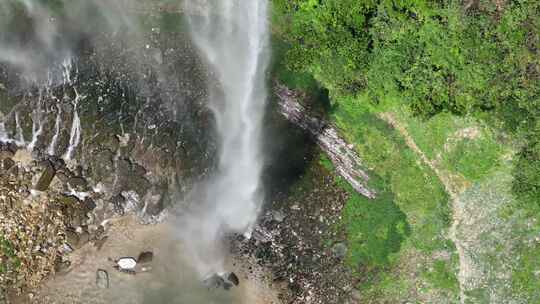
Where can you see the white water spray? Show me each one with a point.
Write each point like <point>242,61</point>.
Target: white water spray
<point>57,125</point>
<point>37,122</point>
<point>19,137</point>
<point>233,36</point>
<point>3,133</point>
<point>75,134</point>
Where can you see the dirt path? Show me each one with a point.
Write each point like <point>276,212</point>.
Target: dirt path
<point>454,186</point>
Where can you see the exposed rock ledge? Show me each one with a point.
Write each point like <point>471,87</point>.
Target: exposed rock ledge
<point>342,155</point>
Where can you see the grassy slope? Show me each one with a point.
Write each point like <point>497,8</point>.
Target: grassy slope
<point>400,244</point>
<point>423,266</point>
<point>498,264</point>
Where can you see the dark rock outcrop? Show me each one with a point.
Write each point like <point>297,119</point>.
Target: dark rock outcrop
<point>145,257</point>
<point>46,177</point>
<point>347,162</point>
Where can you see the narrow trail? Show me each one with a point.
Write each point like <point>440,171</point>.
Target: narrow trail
<point>454,186</point>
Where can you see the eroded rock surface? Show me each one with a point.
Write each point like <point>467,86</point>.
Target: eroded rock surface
<point>120,127</point>
<point>303,250</point>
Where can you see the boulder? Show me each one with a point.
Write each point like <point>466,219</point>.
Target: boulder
<point>102,279</point>
<point>7,164</point>
<point>233,279</point>
<point>72,238</point>
<point>61,266</point>
<point>340,250</point>
<point>278,216</point>
<point>78,184</point>
<point>6,154</point>
<point>214,281</point>
<point>145,257</point>
<point>46,177</point>
<point>89,204</point>
<point>118,204</point>
<point>221,280</point>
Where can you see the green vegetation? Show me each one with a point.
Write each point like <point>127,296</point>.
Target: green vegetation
<point>441,276</point>
<point>474,158</point>
<point>8,260</point>
<point>462,79</point>
<point>527,175</point>
<point>431,56</point>
<point>375,229</point>
<point>415,188</point>
<point>410,213</point>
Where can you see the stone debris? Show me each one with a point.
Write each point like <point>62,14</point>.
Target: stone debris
<point>102,279</point>
<point>145,257</point>
<point>32,227</point>
<point>294,248</point>
<point>46,177</point>
<point>221,280</point>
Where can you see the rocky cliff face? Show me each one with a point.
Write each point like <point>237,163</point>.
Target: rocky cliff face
<point>114,128</point>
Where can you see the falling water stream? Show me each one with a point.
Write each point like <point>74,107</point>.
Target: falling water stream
<point>232,35</point>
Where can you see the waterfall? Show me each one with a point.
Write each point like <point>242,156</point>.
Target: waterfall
<point>3,133</point>
<point>57,125</point>
<point>37,122</point>
<point>19,137</point>
<point>232,35</point>
<point>75,134</point>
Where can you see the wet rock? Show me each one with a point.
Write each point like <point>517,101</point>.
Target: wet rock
<point>225,281</point>
<point>78,184</point>
<point>153,203</point>
<point>145,257</point>
<point>123,140</point>
<point>278,216</point>
<point>69,200</point>
<point>233,279</point>
<point>103,164</point>
<point>340,250</point>
<point>76,240</point>
<point>72,238</point>
<point>62,266</point>
<point>139,170</point>
<point>112,143</point>
<point>89,204</point>
<point>46,177</point>
<point>6,154</point>
<point>102,279</point>
<point>7,164</point>
<point>123,167</point>
<point>214,281</point>
<point>63,177</point>
<point>131,201</point>
<point>14,170</point>
<point>139,183</point>
<point>118,204</point>
<point>57,163</point>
